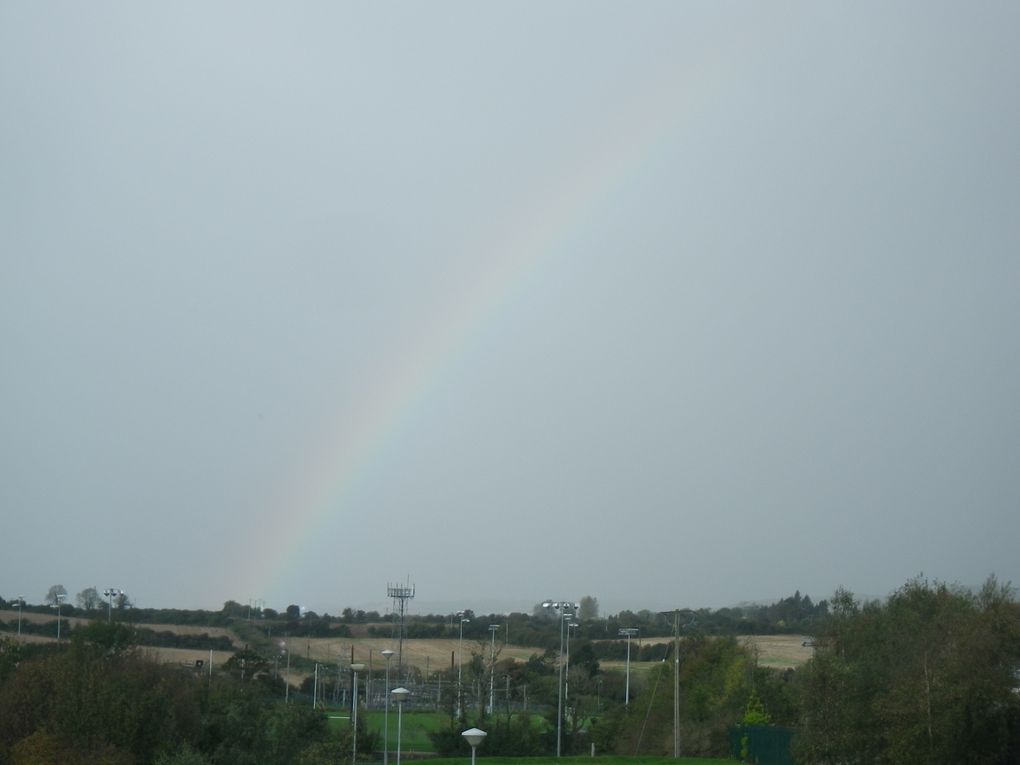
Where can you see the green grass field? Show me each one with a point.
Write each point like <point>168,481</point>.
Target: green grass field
<point>607,760</point>
<point>416,727</point>
<point>414,731</point>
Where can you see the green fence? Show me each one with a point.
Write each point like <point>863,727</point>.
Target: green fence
<point>763,744</point>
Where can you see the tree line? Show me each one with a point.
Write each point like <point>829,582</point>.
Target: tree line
<point>930,675</point>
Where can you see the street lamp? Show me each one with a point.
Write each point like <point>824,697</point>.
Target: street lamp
<point>386,716</point>
<point>315,686</point>
<point>563,609</point>
<point>20,601</point>
<point>474,737</point>
<point>492,668</point>
<point>110,592</point>
<point>355,668</point>
<point>59,597</point>
<point>286,686</point>
<point>629,632</point>
<point>400,695</point>
<point>460,664</point>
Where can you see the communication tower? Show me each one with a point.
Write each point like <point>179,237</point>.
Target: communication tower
<point>401,593</point>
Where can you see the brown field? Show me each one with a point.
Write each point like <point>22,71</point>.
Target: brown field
<point>433,654</point>
<point>77,621</point>
<point>777,651</point>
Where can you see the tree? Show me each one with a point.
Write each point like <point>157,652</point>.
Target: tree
<point>246,663</point>
<point>589,608</point>
<point>89,599</point>
<point>55,594</point>
<point>925,678</point>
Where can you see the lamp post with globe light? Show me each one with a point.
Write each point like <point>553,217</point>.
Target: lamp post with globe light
<point>460,664</point>
<point>400,696</point>
<point>474,737</point>
<point>388,654</point>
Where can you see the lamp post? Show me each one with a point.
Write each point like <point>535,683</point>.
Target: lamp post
<point>492,668</point>
<point>460,664</point>
<point>110,592</point>
<point>474,737</point>
<point>286,684</point>
<point>59,597</point>
<point>400,695</point>
<point>355,668</point>
<point>315,686</point>
<point>566,681</point>
<point>629,632</point>
<point>20,601</point>
<point>388,654</point>
<point>563,609</point>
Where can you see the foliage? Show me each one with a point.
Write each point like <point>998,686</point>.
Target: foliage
<point>588,608</point>
<point>88,599</point>
<point>96,699</point>
<point>508,736</point>
<point>183,756</point>
<point>928,677</point>
<point>715,683</point>
<point>754,712</point>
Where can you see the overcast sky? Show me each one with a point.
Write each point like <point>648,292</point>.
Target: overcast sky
<point>672,304</point>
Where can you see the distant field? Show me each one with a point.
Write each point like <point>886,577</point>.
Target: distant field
<point>778,651</point>
<point>434,654</point>
<point>775,651</point>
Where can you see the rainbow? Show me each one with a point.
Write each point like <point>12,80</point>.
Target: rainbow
<point>611,157</point>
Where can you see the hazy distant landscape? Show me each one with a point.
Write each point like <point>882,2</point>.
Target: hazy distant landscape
<point>629,378</point>
<point>733,694</point>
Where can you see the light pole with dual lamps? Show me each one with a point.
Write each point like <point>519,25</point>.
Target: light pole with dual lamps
<point>387,654</point>
<point>563,610</point>
<point>629,632</point>
<point>400,696</point>
<point>111,593</point>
